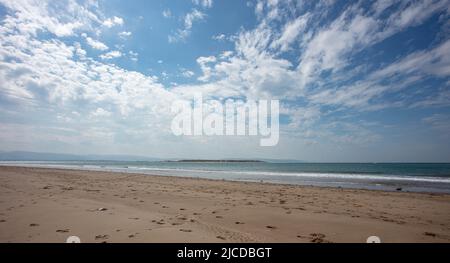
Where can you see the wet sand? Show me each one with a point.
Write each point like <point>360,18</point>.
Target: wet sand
<point>49,205</point>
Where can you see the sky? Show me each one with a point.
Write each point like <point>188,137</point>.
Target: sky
<point>357,81</point>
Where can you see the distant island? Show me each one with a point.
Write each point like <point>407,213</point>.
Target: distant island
<point>217,161</point>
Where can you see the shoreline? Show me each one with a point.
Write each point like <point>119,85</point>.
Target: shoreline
<point>211,179</point>
<point>382,186</point>
<point>49,204</point>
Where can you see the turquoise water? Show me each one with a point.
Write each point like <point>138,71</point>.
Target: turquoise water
<point>418,177</point>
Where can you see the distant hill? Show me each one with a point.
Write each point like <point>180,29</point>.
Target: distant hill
<point>38,156</point>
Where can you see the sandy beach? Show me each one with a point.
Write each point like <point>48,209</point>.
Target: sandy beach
<point>49,205</point>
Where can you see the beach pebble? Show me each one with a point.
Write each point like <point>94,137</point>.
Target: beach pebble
<point>102,209</point>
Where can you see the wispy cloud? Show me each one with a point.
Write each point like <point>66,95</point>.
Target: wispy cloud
<point>167,13</point>
<point>203,3</point>
<point>110,22</point>
<point>111,55</point>
<point>125,34</point>
<point>189,19</point>
<point>96,44</point>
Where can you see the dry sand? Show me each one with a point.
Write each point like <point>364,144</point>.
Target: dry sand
<point>48,205</point>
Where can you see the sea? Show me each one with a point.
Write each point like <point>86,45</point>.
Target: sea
<point>411,177</point>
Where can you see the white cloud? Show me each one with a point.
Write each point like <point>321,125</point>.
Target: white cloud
<point>203,62</point>
<point>441,99</point>
<point>167,13</point>
<point>133,55</point>
<point>100,112</point>
<point>433,62</point>
<point>187,73</point>
<point>189,19</point>
<point>259,8</point>
<point>52,76</point>
<point>125,34</point>
<point>113,21</point>
<point>439,122</point>
<point>61,19</point>
<point>226,54</point>
<point>96,44</point>
<point>80,52</point>
<point>203,3</point>
<point>355,30</point>
<point>259,73</point>
<point>346,35</point>
<point>302,117</point>
<point>401,74</point>
<point>219,37</point>
<point>290,33</point>
<point>414,13</point>
<point>111,55</point>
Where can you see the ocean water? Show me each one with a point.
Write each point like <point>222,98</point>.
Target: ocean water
<point>415,177</point>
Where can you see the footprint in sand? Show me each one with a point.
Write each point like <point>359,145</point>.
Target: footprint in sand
<point>220,237</point>
<point>101,237</point>
<point>62,230</point>
<point>185,230</point>
<point>271,227</point>
<point>239,223</point>
<point>430,234</point>
<point>318,238</point>
<point>132,235</point>
<point>33,224</point>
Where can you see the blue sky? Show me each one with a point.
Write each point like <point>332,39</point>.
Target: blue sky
<point>357,80</point>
